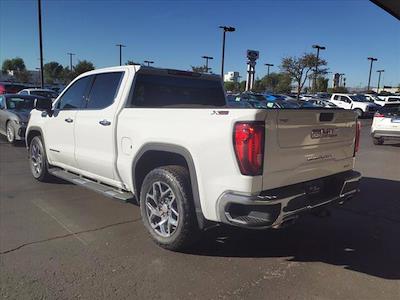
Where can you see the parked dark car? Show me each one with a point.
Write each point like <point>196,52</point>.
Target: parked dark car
<point>14,114</point>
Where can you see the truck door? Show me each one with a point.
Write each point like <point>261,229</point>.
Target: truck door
<point>95,149</point>
<point>60,126</point>
<point>346,102</point>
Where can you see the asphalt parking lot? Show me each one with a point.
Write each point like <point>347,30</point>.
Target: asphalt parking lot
<point>60,241</point>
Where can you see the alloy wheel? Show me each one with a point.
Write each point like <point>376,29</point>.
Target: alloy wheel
<point>162,209</point>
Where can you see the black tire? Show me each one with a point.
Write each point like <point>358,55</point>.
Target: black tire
<point>186,231</point>
<point>377,141</point>
<point>10,135</point>
<point>42,173</point>
<point>359,112</point>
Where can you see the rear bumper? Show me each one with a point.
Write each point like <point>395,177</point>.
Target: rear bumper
<point>389,134</point>
<point>274,208</point>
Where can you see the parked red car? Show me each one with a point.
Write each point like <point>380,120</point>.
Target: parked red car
<point>10,88</point>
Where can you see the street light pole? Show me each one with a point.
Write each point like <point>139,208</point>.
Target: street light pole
<point>120,53</point>
<point>379,79</point>
<point>40,42</point>
<point>318,47</point>
<point>207,58</point>
<point>268,65</point>
<point>372,59</point>
<point>225,29</point>
<point>148,62</point>
<point>70,60</point>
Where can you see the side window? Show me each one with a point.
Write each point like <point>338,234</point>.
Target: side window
<point>345,99</point>
<point>104,90</point>
<point>23,93</point>
<point>336,97</point>
<point>74,97</point>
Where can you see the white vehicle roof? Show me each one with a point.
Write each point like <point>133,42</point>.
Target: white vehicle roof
<point>37,89</point>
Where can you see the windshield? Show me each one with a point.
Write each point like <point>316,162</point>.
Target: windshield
<point>19,103</point>
<point>47,94</point>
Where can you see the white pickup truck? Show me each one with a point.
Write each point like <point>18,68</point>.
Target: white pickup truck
<point>168,139</point>
<point>358,103</point>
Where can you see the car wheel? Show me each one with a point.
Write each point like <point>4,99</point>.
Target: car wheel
<point>359,112</point>
<point>10,133</point>
<point>167,208</point>
<point>377,141</point>
<point>38,160</point>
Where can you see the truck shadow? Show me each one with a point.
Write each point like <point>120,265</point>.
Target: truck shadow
<point>361,236</point>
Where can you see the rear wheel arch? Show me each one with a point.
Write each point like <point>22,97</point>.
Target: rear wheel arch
<point>155,155</point>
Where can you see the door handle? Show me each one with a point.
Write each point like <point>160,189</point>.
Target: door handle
<point>105,123</point>
<point>69,120</point>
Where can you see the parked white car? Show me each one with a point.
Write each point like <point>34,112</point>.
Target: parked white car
<point>47,93</point>
<point>167,139</point>
<point>386,124</point>
<point>356,103</point>
<point>383,100</point>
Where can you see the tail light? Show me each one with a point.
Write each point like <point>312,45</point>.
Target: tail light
<point>378,115</point>
<point>2,90</point>
<point>357,140</point>
<point>248,141</point>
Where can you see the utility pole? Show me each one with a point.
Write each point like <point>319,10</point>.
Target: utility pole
<point>40,42</point>
<point>372,59</point>
<point>120,52</point>
<point>225,29</point>
<point>70,60</point>
<point>148,62</point>
<point>379,79</point>
<point>318,47</point>
<point>207,58</point>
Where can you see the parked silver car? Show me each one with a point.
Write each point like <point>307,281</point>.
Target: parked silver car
<point>14,114</point>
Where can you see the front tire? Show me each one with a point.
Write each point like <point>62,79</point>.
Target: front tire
<point>167,208</point>
<point>10,133</point>
<point>377,141</point>
<point>38,160</point>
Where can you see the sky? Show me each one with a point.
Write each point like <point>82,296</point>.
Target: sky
<point>175,34</point>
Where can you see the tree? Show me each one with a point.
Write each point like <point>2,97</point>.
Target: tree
<point>299,68</point>
<point>322,84</point>
<point>53,72</point>
<point>339,89</point>
<point>231,86</point>
<point>83,66</point>
<point>132,63</point>
<point>200,69</point>
<point>16,67</point>
<point>277,82</point>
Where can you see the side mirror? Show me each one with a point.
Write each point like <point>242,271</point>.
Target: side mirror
<point>43,104</point>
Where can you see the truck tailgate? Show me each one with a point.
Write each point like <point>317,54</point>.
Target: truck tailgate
<point>304,144</point>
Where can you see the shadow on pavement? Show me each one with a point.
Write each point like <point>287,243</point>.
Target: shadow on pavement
<point>361,236</point>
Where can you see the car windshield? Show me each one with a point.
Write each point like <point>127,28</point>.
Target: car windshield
<point>47,94</point>
<point>359,98</point>
<point>20,103</point>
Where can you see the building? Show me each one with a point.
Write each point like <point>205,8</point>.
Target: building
<point>231,77</point>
